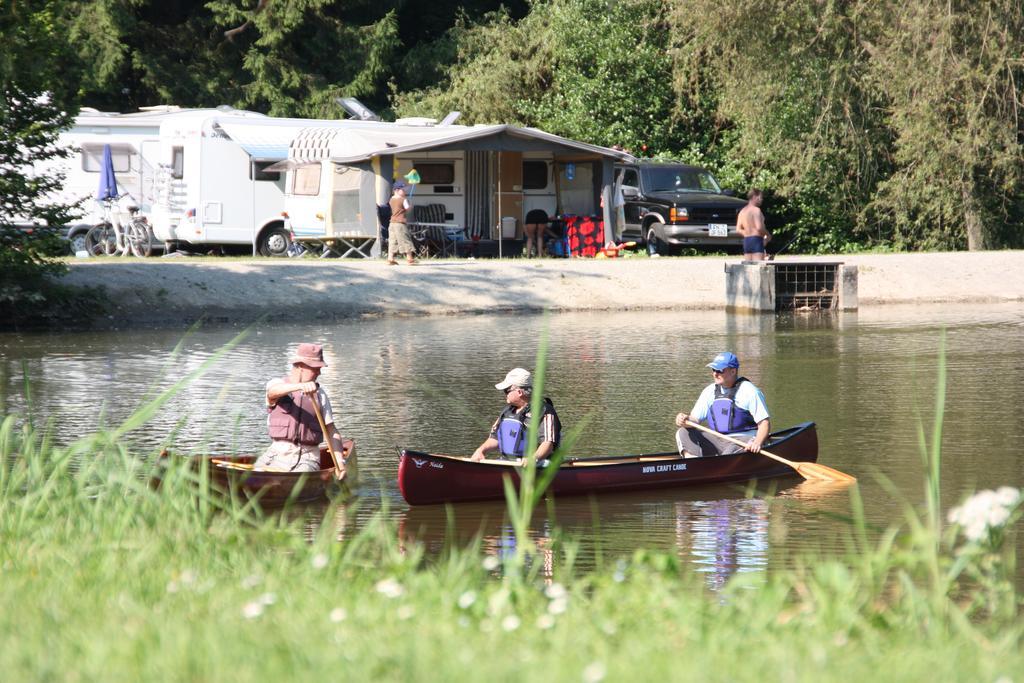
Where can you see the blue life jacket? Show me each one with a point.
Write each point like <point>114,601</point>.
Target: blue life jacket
<point>724,416</point>
<point>512,437</point>
<point>513,427</point>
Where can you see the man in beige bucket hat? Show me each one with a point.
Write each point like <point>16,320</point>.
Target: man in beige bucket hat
<point>291,418</point>
<point>509,432</point>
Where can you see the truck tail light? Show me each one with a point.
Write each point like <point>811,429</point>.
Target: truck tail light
<point>675,214</point>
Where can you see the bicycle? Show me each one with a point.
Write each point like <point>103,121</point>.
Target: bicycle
<point>114,238</point>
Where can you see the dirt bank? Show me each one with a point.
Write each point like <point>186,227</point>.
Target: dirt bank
<point>174,291</point>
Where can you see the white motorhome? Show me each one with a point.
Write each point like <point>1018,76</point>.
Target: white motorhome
<point>134,141</point>
<point>215,186</point>
<point>475,178</point>
<point>212,186</point>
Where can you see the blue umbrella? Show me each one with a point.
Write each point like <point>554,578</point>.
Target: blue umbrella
<point>108,181</point>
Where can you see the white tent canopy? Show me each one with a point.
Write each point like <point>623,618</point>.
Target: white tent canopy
<point>365,142</point>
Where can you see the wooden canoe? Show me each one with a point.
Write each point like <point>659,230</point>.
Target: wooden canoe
<point>277,488</point>
<point>426,478</point>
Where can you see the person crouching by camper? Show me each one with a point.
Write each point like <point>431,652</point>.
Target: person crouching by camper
<point>509,432</point>
<point>399,238</point>
<point>291,416</point>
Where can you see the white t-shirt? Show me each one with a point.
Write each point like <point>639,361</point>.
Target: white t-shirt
<point>748,397</point>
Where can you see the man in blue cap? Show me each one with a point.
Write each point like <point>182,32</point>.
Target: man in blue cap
<point>731,405</point>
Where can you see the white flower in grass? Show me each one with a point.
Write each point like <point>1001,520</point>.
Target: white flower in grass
<point>337,615</point>
<point>467,599</point>
<point>172,586</point>
<point>985,510</point>
<point>545,621</point>
<point>510,623</point>
<point>251,581</point>
<point>497,602</point>
<point>406,612</point>
<point>555,591</point>
<point>594,672</point>
<point>268,599</point>
<point>390,588</point>
<point>558,606</point>
<point>188,577</point>
<point>620,571</point>
<point>491,563</point>
<point>319,561</point>
<point>253,609</point>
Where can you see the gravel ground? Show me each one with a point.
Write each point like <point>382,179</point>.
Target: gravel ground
<point>174,291</point>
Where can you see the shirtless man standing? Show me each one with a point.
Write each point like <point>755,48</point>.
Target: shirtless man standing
<point>750,224</point>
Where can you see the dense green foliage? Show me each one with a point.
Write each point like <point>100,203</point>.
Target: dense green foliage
<point>34,57</point>
<point>885,125</point>
<point>280,57</point>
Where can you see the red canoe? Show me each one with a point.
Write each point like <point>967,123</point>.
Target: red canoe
<point>426,478</point>
<point>277,488</point>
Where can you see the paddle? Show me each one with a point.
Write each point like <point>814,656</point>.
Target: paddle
<point>229,465</point>
<point>339,471</point>
<point>808,470</point>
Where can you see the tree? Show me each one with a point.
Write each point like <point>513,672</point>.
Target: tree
<point>792,83</point>
<point>30,121</point>
<point>952,73</point>
<point>586,69</point>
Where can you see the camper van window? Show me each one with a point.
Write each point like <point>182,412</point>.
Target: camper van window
<point>436,173</point>
<point>92,158</point>
<point>306,179</point>
<point>178,163</point>
<point>258,172</point>
<point>535,175</point>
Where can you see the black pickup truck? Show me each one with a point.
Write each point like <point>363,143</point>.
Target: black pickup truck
<point>672,205</point>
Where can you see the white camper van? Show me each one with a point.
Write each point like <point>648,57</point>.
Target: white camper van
<point>215,183</point>
<point>212,186</point>
<point>134,141</point>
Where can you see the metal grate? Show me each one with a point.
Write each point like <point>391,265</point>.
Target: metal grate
<point>806,286</point>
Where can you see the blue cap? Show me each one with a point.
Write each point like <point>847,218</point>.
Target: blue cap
<point>399,185</point>
<point>724,360</point>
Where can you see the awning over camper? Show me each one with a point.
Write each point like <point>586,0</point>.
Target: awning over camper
<point>355,145</point>
<point>260,141</point>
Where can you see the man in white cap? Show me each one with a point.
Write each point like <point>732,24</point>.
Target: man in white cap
<point>509,432</point>
<point>731,405</point>
<point>291,417</point>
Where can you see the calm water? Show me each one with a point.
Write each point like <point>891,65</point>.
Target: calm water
<point>867,379</point>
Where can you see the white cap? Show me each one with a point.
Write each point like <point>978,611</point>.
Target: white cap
<point>516,377</point>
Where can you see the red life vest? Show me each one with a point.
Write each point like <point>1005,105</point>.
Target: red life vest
<point>292,419</point>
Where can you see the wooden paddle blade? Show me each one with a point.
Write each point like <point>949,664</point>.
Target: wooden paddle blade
<point>229,465</point>
<point>818,472</point>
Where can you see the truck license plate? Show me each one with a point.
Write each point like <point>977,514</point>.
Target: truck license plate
<point>718,230</point>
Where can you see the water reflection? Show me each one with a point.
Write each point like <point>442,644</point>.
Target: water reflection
<point>720,529</point>
<point>867,379</point>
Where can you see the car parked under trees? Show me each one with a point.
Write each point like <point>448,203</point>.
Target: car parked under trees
<point>670,206</point>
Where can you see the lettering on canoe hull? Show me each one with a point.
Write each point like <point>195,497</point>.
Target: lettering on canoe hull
<point>655,469</point>
<point>420,462</point>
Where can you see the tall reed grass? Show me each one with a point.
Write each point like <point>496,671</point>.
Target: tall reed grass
<point>103,577</point>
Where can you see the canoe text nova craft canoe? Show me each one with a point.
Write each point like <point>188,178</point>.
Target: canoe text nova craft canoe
<point>426,478</point>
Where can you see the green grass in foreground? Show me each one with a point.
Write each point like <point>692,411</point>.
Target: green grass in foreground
<point>104,578</point>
